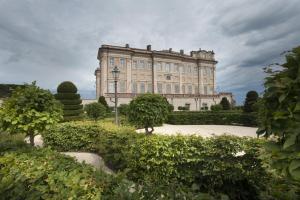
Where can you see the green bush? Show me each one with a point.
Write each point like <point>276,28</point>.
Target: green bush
<point>123,109</point>
<point>251,99</point>
<point>103,102</point>
<point>95,110</point>
<point>216,107</point>
<point>66,94</point>
<point>225,103</point>
<point>214,118</point>
<point>203,164</point>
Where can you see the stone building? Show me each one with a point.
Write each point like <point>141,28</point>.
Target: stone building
<point>185,80</point>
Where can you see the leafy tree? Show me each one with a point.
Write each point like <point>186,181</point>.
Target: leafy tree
<point>95,110</point>
<point>216,107</point>
<point>30,110</point>
<point>148,110</point>
<point>67,95</point>
<point>251,99</point>
<point>225,103</point>
<point>279,115</point>
<point>103,102</point>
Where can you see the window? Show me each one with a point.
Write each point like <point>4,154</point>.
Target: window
<point>141,64</point>
<point>205,89</point>
<point>176,67</point>
<point>211,90</point>
<point>190,88</point>
<point>111,87</point>
<point>111,61</point>
<point>189,69</point>
<point>149,88</point>
<point>177,89</point>
<point>168,77</point>
<point>183,89</point>
<point>122,62</point>
<point>196,90</point>
<point>195,70</point>
<point>204,106</point>
<point>158,64</point>
<point>159,88</point>
<point>167,67</point>
<point>148,65</point>
<point>168,89</point>
<point>172,67</point>
<point>123,86</point>
<point>134,87</point>
<point>134,66</point>
<point>204,71</point>
<point>142,88</point>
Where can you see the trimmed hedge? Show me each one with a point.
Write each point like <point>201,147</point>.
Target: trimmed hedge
<point>214,118</point>
<point>67,87</point>
<point>64,96</point>
<point>72,112</point>
<point>71,102</point>
<point>206,165</point>
<point>73,107</point>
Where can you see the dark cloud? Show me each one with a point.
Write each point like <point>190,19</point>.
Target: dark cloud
<point>53,41</point>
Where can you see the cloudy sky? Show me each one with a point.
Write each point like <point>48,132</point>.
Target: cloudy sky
<point>52,40</point>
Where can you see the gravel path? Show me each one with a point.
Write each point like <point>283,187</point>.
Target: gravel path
<point>204,130</point>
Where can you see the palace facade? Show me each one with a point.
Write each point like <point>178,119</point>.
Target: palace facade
<point>185,80</point>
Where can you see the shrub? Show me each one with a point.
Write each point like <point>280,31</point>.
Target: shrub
<point>216,107</point>
<point>214,118</point>
<point>95,110</point>
<point>251,99</point>
<point>183,108</point>
<point>148,110</point>
<point>103,102</point>
<point>160,161</point>
<point>123,109</point>
<point>225,103</point>
<point>67,95</point>
<point>30,110</point>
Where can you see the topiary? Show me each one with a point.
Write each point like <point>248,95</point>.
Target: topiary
<point>103,102</point>
<point>148,110</point>
<point>95,110</point>
<point>251,99</point>
<point>225,103</point>
<point>67,95</point>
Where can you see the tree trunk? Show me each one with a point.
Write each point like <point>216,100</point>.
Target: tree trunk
<point>31,139</point>
<point>149,132</point>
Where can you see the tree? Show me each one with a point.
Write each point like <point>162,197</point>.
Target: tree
<point>225,103</point>
<point>279,115</point>
<point>251,99</point>
<point>103,102</point>
<point>95,110</point>
<point>67,95</point>
<point>30,110</point>
<point>148,110</point>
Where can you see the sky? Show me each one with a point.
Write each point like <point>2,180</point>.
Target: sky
<point>51,41</point>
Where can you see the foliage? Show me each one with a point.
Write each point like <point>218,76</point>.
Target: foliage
<point>30,110</point>
<point>148,110</point>
<point>192,165</point>
<point>280,115</point>
<point>210,117</point>
<point>6,89</point>
<point>103,102</point>
<point>225,103</point>
<point>183,108</point>
<point>216,107</point>
<point>67,95</point>
<point>95,110</point>
<point>251,99</point>
<point>123,109</point>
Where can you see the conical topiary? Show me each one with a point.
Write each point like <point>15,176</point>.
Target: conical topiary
<point>67,95</point>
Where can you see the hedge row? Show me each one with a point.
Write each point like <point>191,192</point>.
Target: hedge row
<point>203,165</point>
<point>215,118</point>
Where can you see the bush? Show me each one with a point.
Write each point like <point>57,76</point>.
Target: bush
<point>251,99</point>
<point>103,102</point>
<point>187,162</point>
<point>214,118</point>
<point>225,103</point>
<point>95,110</point>
<point>123,109</point>
<point>216,107</point>
<point>66,94</point>
<point>183,108</point>
<point>148,110</point>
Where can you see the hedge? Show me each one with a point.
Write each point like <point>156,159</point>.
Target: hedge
<point>71,102</point>
<point>64,96</point>
<point>72,112</point>
<point>206,165</point>
<point>215,118</point>
<point>73,107</point>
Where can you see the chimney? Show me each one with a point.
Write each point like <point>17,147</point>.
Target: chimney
<point>149,47</point>
<point>181,51</point>
<point>127,45</point>
<point>170,50</point>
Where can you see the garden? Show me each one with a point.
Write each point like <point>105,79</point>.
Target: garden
<point>152,166</point>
